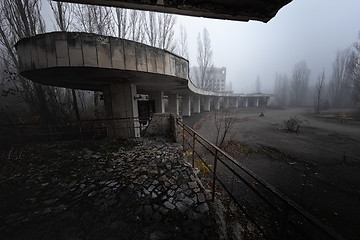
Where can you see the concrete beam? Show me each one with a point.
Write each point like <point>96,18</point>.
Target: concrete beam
<point>240,10</point>
<point>158,98</point>
<point>173,103</point>
<point>120,103</point>
<point>186,106</point>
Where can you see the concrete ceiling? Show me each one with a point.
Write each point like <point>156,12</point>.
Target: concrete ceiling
<point>239,10</point>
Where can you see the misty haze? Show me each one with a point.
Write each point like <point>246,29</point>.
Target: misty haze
<point>119,123</point>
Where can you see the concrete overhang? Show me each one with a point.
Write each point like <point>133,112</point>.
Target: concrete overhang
<point>90,62</point>
<point>239,10</point>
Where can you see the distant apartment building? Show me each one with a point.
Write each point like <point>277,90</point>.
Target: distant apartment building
<point>216,82</point>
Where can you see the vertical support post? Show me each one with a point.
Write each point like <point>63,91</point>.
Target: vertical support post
<point>193,150</point>
<point>196,102</point>
<point>173,103</point>
<point>183,128</point>
<point>214,175</point>
<point>158,98</point>
<point>206,103</point>
<point>186,107</point>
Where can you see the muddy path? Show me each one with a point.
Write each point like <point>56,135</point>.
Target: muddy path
<point>318,167</point>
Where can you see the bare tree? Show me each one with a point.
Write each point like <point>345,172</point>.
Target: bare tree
<point>166,23</point>
<point>99,20</point>
<point>183,43</point>
<point>121,17</point>
<point>94,19</point>
<point>341,79</point>
<point>356,72</point>
<point>204,59</point>
<point>319,91</point>
<point>299,84</point>
<point>63,17</point>
<point>225,120</point>
<point>281,89</point>
<point>151,28</point>
<point>136,32</point>
<point>62,14</point>
<point>20,19</point>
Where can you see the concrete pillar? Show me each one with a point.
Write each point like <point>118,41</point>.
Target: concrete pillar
<point>227,102</point>
<point>186,106</point>
<point>196,104</point>
<point>158,98</point>
<point>206,103</point>
<point>246,102</point>
<point>120,103</point>
<point>237,102</point>
<point>173,103</point>
<point>257,102</point>
<point>217,103</point>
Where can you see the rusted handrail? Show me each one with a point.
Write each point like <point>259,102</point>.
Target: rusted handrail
<point>286,205</point>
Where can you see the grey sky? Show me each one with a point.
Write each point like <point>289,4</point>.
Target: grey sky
<point>309,30</point>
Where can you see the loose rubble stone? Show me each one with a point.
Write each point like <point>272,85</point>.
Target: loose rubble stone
<point>113,189</point>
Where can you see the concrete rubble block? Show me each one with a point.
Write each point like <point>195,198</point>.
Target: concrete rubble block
<point>130,55</point>
<point>103,51</point>
<point>117,53</point>
<point>75,50</point>
<point>151,59</point>
<point>141,61</point>
<point>89,50</point>
<point>41,50</point>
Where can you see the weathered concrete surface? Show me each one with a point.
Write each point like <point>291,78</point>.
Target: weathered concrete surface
<point>240,10</point>
<point>89,61</point>
<point>139,189</point>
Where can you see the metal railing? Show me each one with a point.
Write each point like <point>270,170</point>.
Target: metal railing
<point>50,132</point>
<point>274,214</point>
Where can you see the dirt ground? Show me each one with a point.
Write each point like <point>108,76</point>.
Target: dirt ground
<point>318,167</point>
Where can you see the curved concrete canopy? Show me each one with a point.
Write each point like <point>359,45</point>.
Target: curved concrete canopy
<point>90,62</point>
<point>239,10</point>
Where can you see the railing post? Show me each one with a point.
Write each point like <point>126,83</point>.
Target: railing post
<point>214,175</point>
<point>193,149</point>
<point>183,128</point>
<point>284,222</point>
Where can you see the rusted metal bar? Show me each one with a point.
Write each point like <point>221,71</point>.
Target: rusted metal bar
<point>193,149</point>
<point>214,175</point>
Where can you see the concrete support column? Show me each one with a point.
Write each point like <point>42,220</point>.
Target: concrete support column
<point>217,103</point>
<point>206,103</point>
<point>246,102</point>
<point>158,98</point>
<point>257,102</point>
<point>173,103</point>
<point>196,104</point>
<point>120,103</point>
<point>186,106</point>
<point>237,102</point>
<point>227,102</point>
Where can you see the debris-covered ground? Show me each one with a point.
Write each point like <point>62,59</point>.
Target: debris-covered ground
<point>139,189</point>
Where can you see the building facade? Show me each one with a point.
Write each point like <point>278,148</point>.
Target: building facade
<point>216,82</point>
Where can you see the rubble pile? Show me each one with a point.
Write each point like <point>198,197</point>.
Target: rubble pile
<point>135,189</point>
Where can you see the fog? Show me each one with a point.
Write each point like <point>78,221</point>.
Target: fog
<point>304,30</point>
